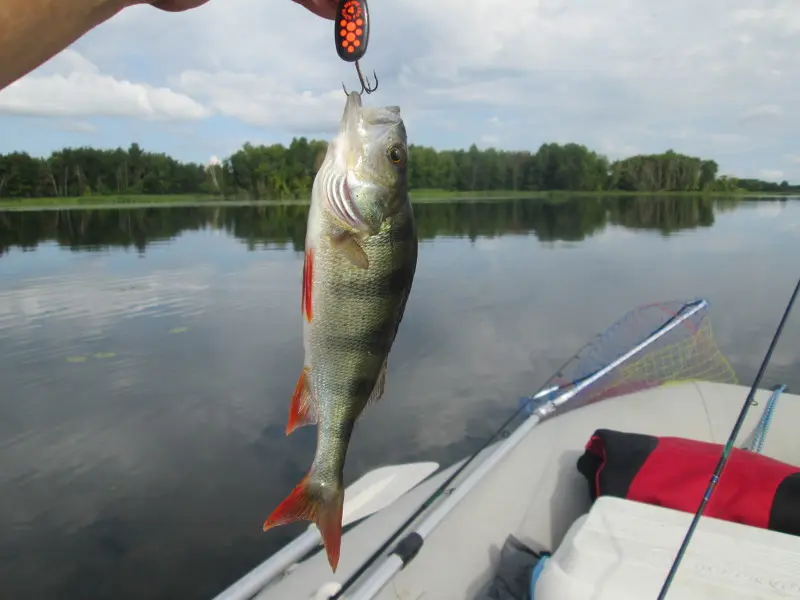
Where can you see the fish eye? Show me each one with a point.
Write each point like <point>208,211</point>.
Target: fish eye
<point>397,155</point>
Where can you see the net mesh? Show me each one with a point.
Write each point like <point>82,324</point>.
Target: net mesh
<point>686,353</point>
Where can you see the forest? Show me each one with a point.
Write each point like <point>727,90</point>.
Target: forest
<point>277,172</point>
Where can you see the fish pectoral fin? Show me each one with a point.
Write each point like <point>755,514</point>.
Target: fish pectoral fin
<point>303,409</point>
<point>347,243</point>
<point>380,384</point>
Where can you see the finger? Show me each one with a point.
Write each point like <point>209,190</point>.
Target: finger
<point>323,8</point>
<point>177,5</point>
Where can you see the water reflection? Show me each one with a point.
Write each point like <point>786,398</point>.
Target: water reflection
<point>571,219</point>
<point>147,358</point>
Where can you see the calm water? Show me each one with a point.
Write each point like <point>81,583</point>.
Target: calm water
<point>147,358</point>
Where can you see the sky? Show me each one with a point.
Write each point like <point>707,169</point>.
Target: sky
<point>715,79</point>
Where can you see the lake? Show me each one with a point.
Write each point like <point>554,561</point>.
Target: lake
<point>148,356</point>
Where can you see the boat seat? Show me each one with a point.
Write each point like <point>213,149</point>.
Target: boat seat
<point>622,550</point>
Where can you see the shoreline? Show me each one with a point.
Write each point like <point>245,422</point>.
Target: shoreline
<point>417,197</point>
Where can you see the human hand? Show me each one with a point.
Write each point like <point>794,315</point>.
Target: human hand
<point>323,8</point>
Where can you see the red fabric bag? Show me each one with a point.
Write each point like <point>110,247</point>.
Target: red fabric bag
<point>674,472</point>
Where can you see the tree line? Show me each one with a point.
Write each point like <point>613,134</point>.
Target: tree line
<point>270,225</point>
<point>277,172</point>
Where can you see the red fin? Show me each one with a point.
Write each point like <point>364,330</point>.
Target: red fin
<point>318,504</point>
<point>303,410</point>
<point>308,277</point>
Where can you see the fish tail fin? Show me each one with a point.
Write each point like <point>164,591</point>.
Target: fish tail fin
<point>310,501</point>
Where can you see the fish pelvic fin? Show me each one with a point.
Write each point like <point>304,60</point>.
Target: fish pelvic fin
<point>322,505</point>
<point>308,278</point>
<point>303,409</point>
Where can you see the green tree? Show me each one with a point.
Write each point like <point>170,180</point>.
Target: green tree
<point>276,172</point>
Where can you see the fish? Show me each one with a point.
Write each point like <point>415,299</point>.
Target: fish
<point>360,260</point>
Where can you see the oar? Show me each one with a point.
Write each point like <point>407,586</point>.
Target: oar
<point>372,492</point>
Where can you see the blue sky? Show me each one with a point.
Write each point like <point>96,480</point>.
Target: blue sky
<point>717,79</point>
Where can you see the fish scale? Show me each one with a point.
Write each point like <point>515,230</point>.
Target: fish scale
<point>359,265</point>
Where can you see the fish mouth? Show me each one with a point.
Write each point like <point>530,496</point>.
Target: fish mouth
<point>340,179</point>
<point>350,130</point>
<point>357,119</point>
<point>360,130</point>
<point>351,116</point>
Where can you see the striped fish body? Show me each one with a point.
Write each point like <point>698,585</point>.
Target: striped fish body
<point>360,260</point>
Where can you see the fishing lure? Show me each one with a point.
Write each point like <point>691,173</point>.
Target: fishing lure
<point>351,32</point>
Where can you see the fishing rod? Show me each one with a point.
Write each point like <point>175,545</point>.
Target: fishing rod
<point>712,484</point>
<point>687,311</point>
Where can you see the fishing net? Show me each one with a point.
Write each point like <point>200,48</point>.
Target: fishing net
<point>686,353</point>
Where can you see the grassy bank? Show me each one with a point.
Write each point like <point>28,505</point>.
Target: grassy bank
<point>187,200</point>
<point>426,196</point>
<point>418,196</point>
<point>114,200</point>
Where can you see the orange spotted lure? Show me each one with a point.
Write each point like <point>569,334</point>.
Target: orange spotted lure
<point>352,37</point>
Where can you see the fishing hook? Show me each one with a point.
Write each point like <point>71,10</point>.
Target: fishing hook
<point>351,33</point>
<point>365,85</point>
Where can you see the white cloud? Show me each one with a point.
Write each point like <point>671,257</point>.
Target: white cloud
<point>77,126</point>
<point>263,100</point>
<point>762,111</point>
<point>772,174</point>
<point>716,78</point>
<point>727,138</point>
<point>78,89</point>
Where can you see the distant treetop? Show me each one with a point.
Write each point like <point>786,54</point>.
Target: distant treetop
<point>276,172</point>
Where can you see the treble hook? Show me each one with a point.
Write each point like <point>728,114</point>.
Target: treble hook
<point>352,36</point>
<point>364,81</point>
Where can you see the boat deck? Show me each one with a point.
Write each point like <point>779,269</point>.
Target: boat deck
<point>536,491</point>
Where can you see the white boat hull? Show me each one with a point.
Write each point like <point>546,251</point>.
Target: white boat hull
<point>535,492</point>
